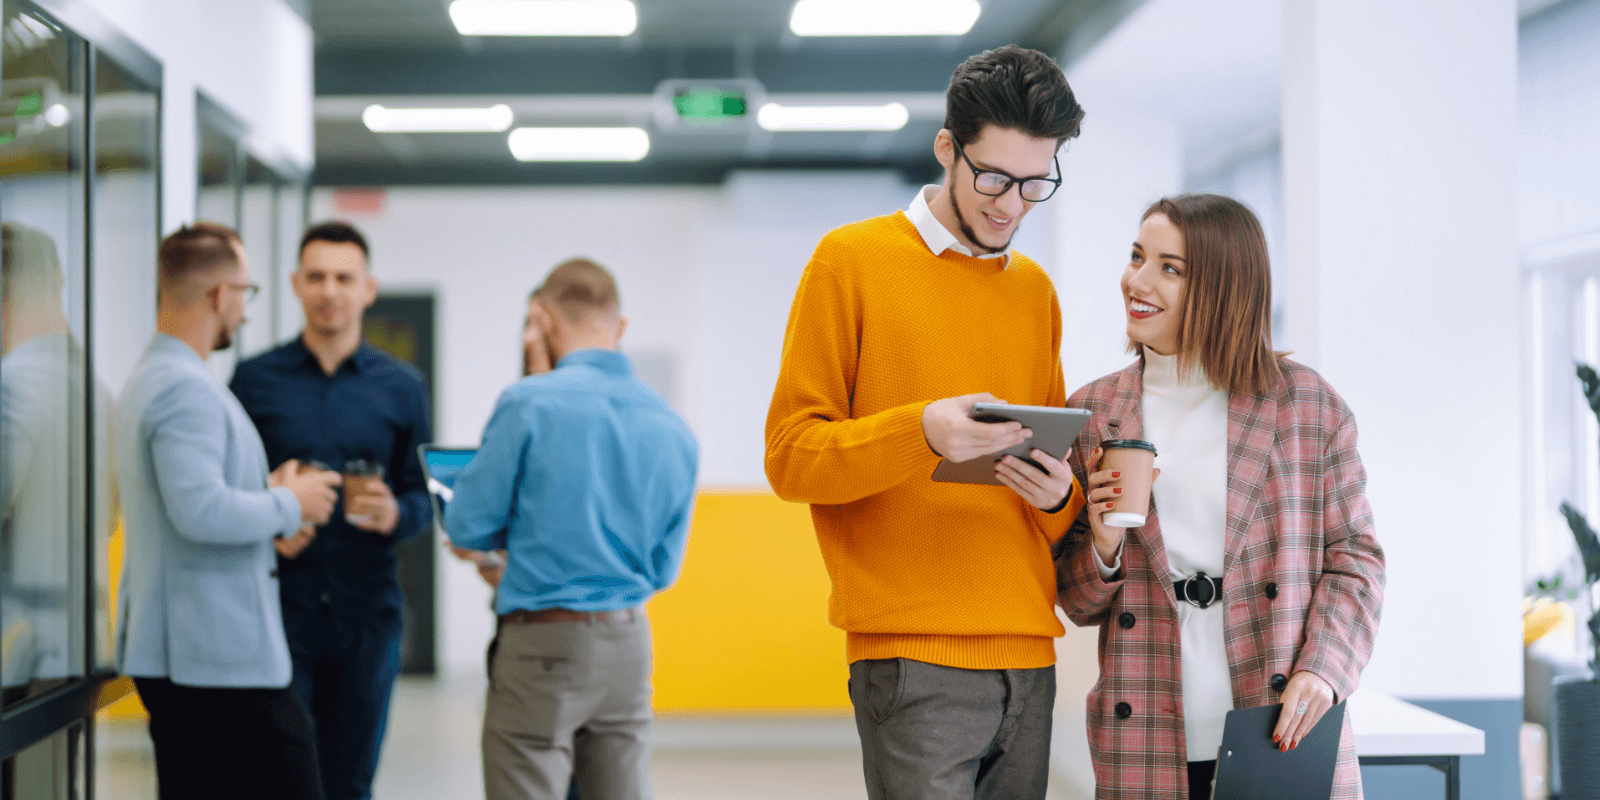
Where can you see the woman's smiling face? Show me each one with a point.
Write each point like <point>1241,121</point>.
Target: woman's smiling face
<point>1153,284</point>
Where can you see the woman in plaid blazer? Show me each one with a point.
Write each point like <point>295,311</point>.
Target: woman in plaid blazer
<point>1263,500</point>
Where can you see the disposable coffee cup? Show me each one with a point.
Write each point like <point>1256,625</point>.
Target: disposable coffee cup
<point>1136,460</point>
<point>359,477</point>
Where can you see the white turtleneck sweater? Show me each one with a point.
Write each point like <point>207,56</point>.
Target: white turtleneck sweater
<point>1187,420</point>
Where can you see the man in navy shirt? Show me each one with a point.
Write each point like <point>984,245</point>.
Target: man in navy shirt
<point>586,478</point>
<point>329,396</point>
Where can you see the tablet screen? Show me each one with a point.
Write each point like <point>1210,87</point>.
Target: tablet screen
<point>442,466</point>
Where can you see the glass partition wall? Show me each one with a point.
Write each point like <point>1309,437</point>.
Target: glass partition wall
<point>264,201</point>
<point>271,219</point>
<point>79,214</point>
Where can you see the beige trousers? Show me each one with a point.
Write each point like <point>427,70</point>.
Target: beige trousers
<point>569,700</point>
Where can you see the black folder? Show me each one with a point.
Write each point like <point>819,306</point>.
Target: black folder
<point>1251,767</point>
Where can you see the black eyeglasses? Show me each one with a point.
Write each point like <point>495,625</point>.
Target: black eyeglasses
<point>249,289</point>
<point>994,184</point>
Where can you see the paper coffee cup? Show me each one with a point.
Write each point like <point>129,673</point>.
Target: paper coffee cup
<point>358,477</point>
<point>1136,460</point>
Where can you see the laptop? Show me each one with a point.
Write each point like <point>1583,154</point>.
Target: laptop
<point>1251,767</point>
<point>439,466</point>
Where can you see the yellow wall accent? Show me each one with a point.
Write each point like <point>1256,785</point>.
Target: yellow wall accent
<point>745,630</point>
<point>125,702</point>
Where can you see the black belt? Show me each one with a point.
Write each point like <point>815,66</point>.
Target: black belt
<point>1200,591</point>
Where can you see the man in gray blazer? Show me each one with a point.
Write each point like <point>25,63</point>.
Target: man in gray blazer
<point>200,628</point>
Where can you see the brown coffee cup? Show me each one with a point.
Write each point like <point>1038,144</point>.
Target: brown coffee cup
<point>1136,460</point>
<point>359,475</point>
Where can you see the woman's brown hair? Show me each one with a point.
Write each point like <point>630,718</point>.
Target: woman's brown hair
<point>1226,323</point>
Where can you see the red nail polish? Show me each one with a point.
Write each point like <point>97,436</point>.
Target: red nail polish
<point>1111,505</point>
<point>1276,738</point>
<point>1116,474</point>
<point>1293,746</point>
<point>1116,491</point>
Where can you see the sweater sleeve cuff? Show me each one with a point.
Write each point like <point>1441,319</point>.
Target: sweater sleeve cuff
<point>910,445</point>
<point>1061,506</point>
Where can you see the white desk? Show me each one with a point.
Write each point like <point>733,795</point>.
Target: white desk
<point>1390,731</point>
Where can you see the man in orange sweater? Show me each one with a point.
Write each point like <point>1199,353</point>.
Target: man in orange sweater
<point>946,591</point>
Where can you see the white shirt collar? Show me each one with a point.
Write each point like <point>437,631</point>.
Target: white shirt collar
<point>934,234</point>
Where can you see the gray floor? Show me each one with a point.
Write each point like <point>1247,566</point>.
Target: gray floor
<point>432,752</point>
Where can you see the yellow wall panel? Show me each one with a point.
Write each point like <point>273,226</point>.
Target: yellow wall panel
<point>745,630</point>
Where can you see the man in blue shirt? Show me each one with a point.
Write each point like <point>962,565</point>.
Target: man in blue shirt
<point>329,396</point>
<point>586,478</point>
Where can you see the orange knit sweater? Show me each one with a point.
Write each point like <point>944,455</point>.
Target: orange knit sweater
<point>950,574</point>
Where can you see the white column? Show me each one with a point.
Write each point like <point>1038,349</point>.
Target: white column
<point>1402,287</point>
<point>1126,158</point>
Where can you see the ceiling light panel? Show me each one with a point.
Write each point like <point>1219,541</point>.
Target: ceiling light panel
<point>579,144</point>
<point>493,119</point>
<point>883,17</point>
<point>890,117</point>
<point>544,17</point>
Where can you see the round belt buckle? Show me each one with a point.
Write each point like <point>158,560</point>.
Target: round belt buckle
<point>1202,597</point>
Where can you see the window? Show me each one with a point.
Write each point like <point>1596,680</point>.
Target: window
<point>43,366</point>
<point>79,213</point>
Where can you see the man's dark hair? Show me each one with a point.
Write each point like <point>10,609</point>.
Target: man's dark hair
<point>1014,88</point>
<point>192,255</point>
<point>336,232</point>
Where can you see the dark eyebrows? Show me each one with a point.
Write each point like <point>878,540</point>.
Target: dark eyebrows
<point>984,168</point>
<point>1167,256</point>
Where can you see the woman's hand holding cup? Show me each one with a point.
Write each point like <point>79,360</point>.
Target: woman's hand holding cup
<point>1106,488</point>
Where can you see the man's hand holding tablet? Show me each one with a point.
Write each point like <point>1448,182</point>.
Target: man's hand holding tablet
<point>1023,448</point>
<point>953,434</point>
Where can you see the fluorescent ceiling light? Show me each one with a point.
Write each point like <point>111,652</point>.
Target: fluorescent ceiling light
<point>579,144</point>
<point>883,17</point>
<point>544,17</point>
<point>891,117</point>
<point>437,120</point>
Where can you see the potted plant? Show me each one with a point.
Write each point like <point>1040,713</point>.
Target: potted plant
<point>1577,699</point>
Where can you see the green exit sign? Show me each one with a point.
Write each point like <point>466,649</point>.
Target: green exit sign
<point>707,104</point>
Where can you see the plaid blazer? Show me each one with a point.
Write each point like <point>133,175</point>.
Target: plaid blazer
<point>1302,583</point>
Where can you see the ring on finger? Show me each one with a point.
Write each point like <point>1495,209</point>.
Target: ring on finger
<point>1301,709</point>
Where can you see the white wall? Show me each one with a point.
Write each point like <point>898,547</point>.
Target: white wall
<point>1403,291</point>
<point>251,56</point>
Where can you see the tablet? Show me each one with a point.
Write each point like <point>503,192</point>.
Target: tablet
<point>1251,767</point>
<point>1054,430</point>
<point>439,466</point>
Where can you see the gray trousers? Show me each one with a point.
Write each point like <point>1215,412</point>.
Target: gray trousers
<point>569,702</point>
<point>930,732</point>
